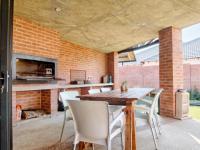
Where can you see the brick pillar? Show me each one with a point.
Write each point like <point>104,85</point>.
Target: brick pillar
<point>113,69</point>
<point>49,100</point>
<point>171,68</point>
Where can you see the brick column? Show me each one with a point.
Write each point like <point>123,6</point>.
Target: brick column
<point>171,68</point>
<point>113,69</point>
<point>49,100</point>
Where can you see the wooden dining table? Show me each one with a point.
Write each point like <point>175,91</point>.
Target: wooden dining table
<point>128,98</point>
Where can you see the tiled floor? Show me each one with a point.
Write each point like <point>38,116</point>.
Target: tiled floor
<point>43,133</point>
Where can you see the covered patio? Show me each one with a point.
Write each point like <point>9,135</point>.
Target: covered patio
<point>67,45</point>
<point>80,36</point>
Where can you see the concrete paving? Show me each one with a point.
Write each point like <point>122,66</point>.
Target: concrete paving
<point>43,134</point>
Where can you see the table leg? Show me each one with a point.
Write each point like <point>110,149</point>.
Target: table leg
<point>81,145</point>
<point>130,130</point>
<point>84,145</point>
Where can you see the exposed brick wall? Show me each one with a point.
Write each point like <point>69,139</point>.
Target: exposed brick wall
<point>76,57</point>
<point>49,100</point>
<point>193,79</point>
<point>33,39</point>
<point>45,100</point>
<point>113,69</point>
<point>139,76</point>
<point>170,68</point>
<point>187,76</point>
<point>29,99</point>
<point>148,76</point>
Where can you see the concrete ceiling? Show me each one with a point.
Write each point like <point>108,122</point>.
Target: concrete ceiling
<point>110,25</point>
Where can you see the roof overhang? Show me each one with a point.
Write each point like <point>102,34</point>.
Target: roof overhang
<point>127,57</point>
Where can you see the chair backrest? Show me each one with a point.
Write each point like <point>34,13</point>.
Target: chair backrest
<point>105,89</point>
<point>155,101</point>
<point>94,91</point>
<point>68,95</point>
<point>91,118</point>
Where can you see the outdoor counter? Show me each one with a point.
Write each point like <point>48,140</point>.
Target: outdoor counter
<point>33,87</point>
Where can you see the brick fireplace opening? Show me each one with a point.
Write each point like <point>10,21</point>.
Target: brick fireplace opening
<point>27,68</point>
<point>30,104</point>
<point>29,99</point>
<point>44,100</point>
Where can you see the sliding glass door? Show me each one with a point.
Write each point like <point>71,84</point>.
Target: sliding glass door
<point>6,19</point>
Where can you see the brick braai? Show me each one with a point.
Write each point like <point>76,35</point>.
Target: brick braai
<point>33,39</point>
<point>171,68</point>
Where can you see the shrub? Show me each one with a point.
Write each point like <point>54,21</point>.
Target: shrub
<point>194,94</point>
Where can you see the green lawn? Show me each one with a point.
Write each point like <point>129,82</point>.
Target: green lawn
<point>195,112</point>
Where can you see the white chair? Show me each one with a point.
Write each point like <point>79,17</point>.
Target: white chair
<point>94,91</point>
<point>105,89</point>
<point>147,100</point>
<point>64,97</point>
<point>92,123</point>
<point>147,111</point>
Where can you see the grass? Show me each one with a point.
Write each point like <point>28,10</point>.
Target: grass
<point>195,112</point>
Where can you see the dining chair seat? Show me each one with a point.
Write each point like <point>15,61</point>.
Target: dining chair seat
<point>140,115</point>
<point>147,100</point>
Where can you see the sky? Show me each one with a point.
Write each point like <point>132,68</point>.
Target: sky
<point>188,34</point>
<point>191,33</point>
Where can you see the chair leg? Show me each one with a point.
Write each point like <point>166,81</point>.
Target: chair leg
<point>63,127</point>
<point>74,148</point>
<point>154,139</point>
<point>108,144</point>
<point>154,126</point>
<point>113,116</point>
<point>122,140</point>
<point>122,133</point>
<point>157,122</point>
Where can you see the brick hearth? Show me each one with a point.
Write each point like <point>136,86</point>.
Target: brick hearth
<point>43,99</point>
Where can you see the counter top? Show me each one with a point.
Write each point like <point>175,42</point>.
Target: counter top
<point>32,87</point>
<point>85,85</point>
